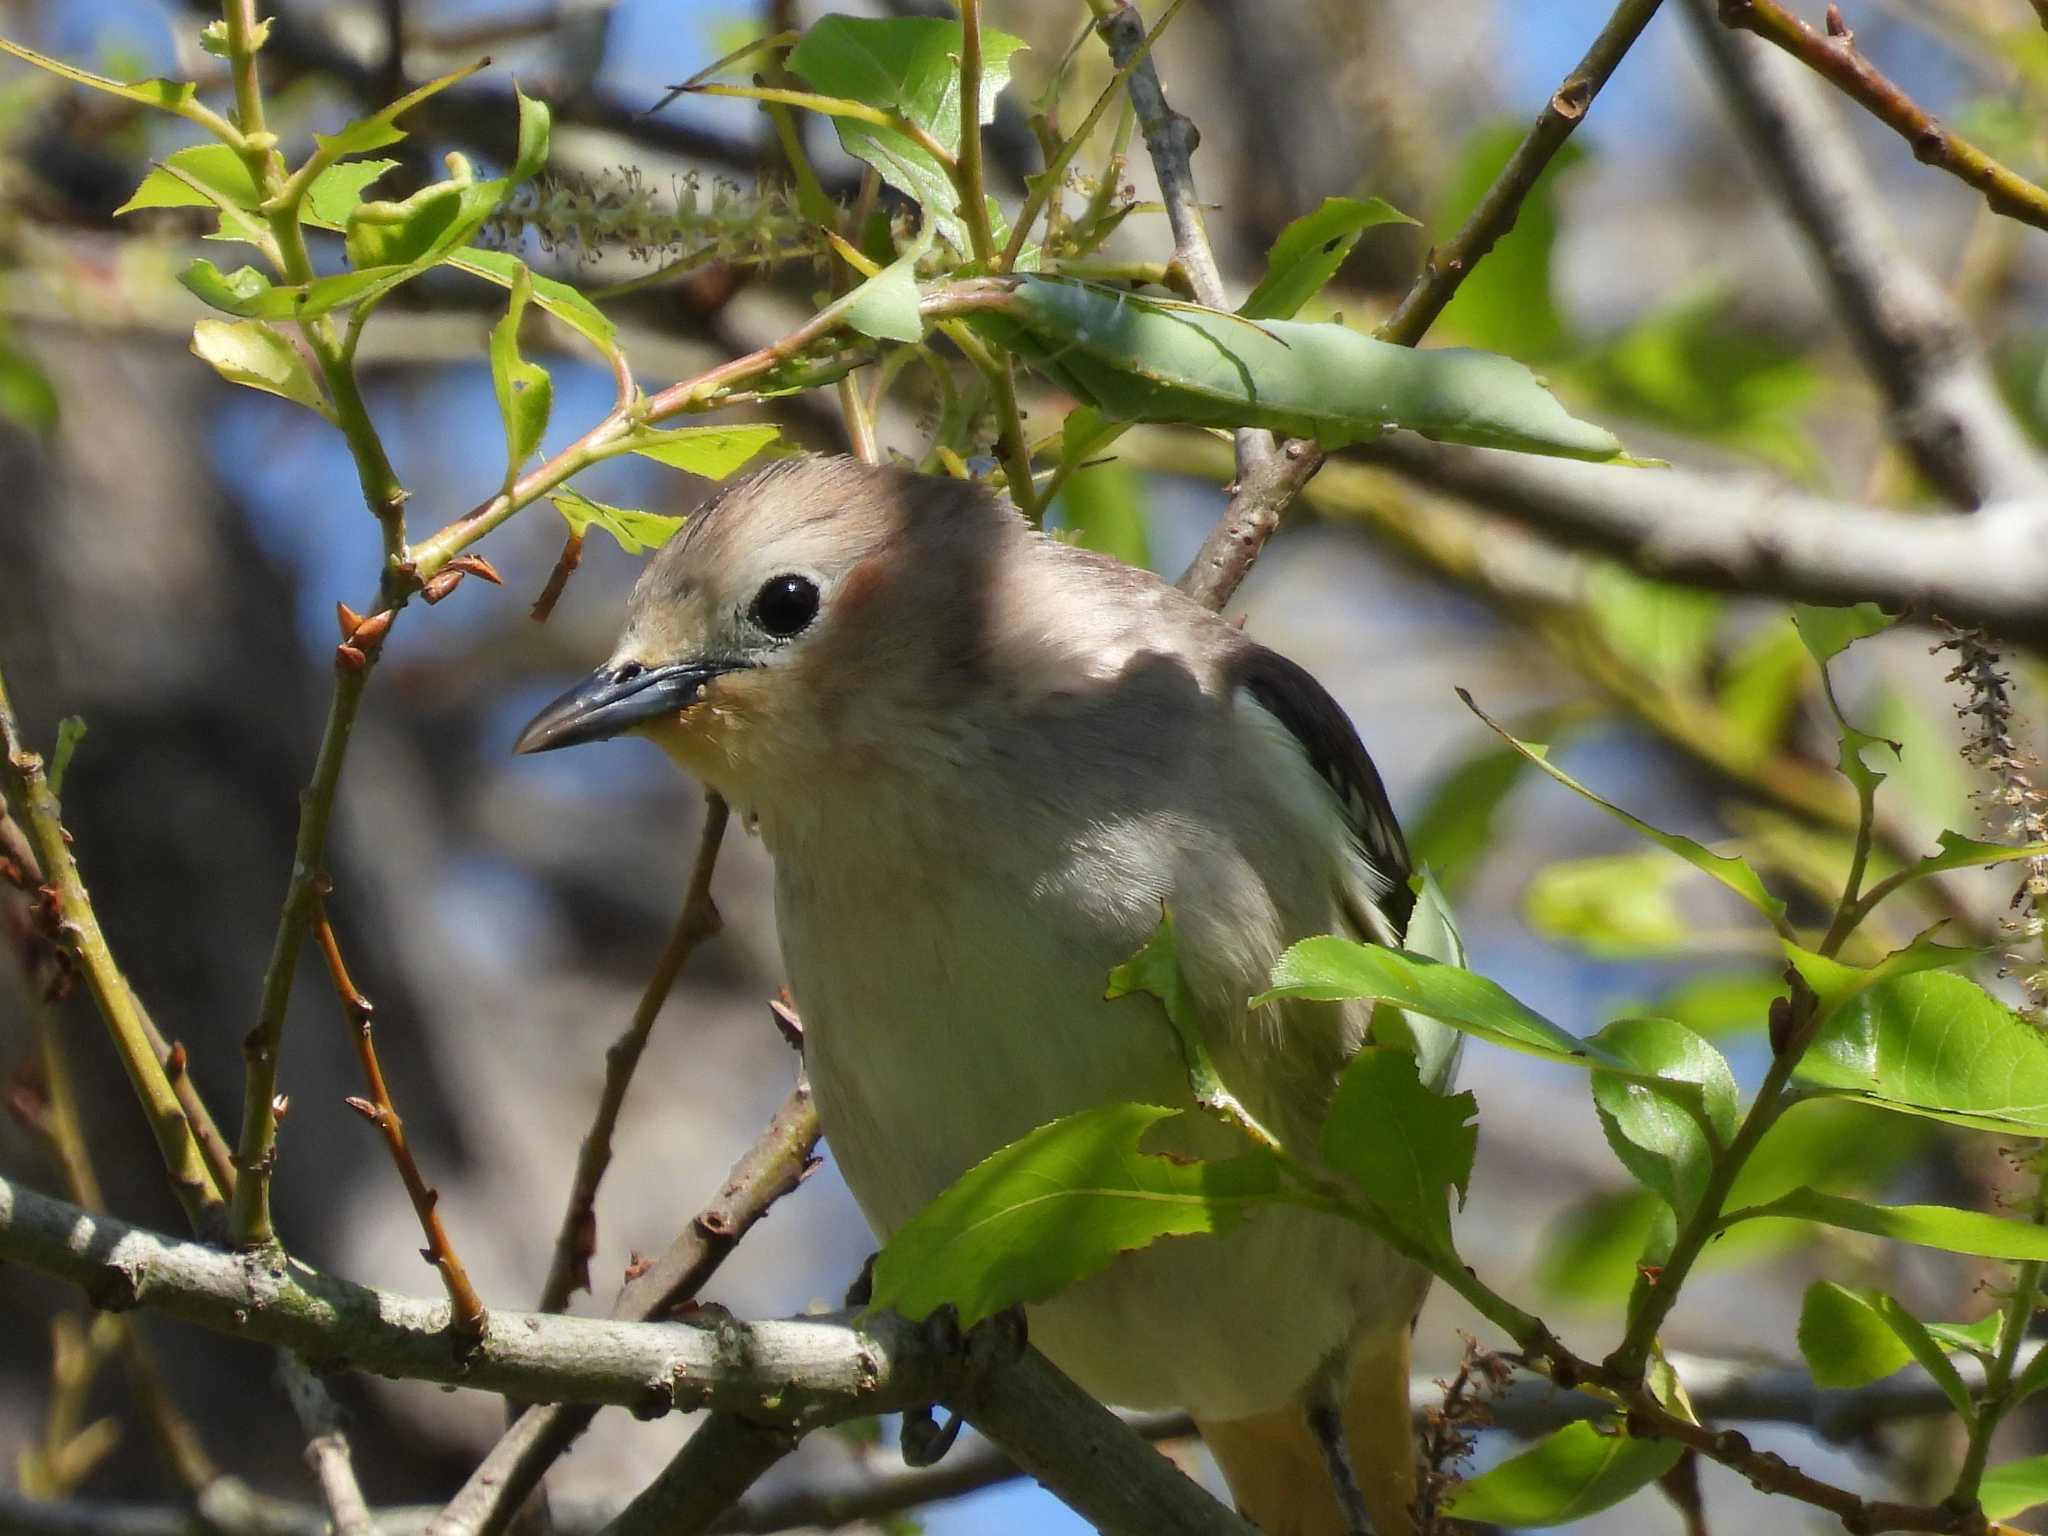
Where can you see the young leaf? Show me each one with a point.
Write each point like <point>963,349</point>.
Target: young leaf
<point>1058,1206</point>
<point>1926,1226</point>
<point>637,532</point>
<point>1575,1472</point>
<point>1406,1145</point>
<point>1309,252</point>
<point>1937,1044</point>
<point>1828,632</point>
<point>885,306</point>
<point>1155,969</point>
<point>1507,303</point>
<point>1141,359</point>
<point>525,392</point>
<point>214,167</point>
<point>1933,1359</point>
<point>1667,1123</point>
<point>2014,1487</point>
<point>174,96</point>
<point>335,191</point>
<point>1843,1339</point>
<point>565,303</point>
<point>70,732</point>
<point>1836,983</point>
<point>381,128</point>
<point>1331,969</point>
<point>909,65</point>
<point>1979,1338</point>
<point>261,356</point>
<point>1615,904</point>
<point>1730,871</point>
<point>713,452</point>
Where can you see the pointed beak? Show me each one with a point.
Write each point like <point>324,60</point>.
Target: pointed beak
<point>615,699</point>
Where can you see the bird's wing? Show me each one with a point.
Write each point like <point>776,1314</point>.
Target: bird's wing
<point>1329,741</point>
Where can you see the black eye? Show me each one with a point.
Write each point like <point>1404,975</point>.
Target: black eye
<point>785,605</point>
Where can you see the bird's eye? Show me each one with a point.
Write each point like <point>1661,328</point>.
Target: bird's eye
<point>785,605</point>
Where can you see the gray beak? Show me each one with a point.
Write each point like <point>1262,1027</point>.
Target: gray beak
<point>613,700</point>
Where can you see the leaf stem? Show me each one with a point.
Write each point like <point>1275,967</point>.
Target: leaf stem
<point>1998,1398</point>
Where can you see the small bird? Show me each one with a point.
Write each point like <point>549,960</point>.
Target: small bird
<point>982,760</point>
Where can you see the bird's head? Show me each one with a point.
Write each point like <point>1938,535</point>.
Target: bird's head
<point>787,622</point>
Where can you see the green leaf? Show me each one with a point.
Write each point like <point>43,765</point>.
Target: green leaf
<point>1835,984</point>
<point>1731,872</point>
<point>885,306</point>
<point>1664,631</point>
<point>27,396</point>
<point>1507,302</point>
<point>335,191</point>
<point>1456,822</point>
<point>1827,632</point>
<point>380,129</point>
<point>1933,1359</point>
<point>908,65</point>
<point>713,452</point>
<point>167,95</point>
<point>70,731</point>
<point>1978,1338</point>
<point>1960,852</point>
<point>261,356</point>
<point>1155,969</point>
<point>637,532</point>
<point>1926,1226</point>
<point>525,392</point>
<point>1142,359</point>
<point>1937,1044</point>
<point>1406,1145</point>
<point>1103,507</point>
<point>565,303</point>
<point>1614,904</point>
<point>2014,1487</point>
<point>1844,1340</point>
<point>1659,1121</point>
<point>1575,1472</point>
<point>1309,252</point>
<point>1331,969</point>
<point>1058,1206</point>
<point>2030,1380</point>
<point>215,167</point>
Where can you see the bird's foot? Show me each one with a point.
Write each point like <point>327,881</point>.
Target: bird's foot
<point>994,1342</point>
<point>924,1441</point>
<point>862,1291</point>
<point>1326,1423</point>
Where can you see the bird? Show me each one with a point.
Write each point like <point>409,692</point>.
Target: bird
<point>983,760</point>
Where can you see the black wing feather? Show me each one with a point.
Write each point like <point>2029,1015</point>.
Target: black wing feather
<point>1291,695</point>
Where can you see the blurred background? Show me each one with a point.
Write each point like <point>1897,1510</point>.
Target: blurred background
<point>171,551</point>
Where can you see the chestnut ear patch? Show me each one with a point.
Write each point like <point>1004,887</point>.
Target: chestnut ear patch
<point>859,585</point>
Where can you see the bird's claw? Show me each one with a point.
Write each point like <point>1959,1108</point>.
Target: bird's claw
<point>923,1440</point>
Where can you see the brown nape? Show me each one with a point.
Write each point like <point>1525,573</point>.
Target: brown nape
<point>1277,1473</point>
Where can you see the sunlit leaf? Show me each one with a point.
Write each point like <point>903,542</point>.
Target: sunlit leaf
<point>1844,1340</point>
<point>909,65</point>
<point>259,355</point>
<point>1141,359</point>
<point>215,167</point>
<point>636,532</point>
<point>1658,1121</point>
<point>381,127</point>
<point>713,452</point>
<point>2014,1487</point>
<point>1309,252</point>
<point>524,391</point>
<point>174,96</point>
<point>1572,1473</point>
<point>885,305</point>
<point>1507,303</point>
<point>1926,1226</point>
<point>1057,1206</point>
<point>1611,904</point>
<point>1827,632</point>
<point>565,303</point>
<point>1935,1043</point>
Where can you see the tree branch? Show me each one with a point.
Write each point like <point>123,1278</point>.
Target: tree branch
<point>1449,264</point>
<point>1836,60</point>
<point>1944,408</point>
<point>1989,570</point>
<point>777,1162</point>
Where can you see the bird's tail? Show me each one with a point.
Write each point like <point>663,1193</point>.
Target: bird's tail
<point>1277,1471</point>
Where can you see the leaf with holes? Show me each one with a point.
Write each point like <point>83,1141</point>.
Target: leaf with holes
<point>1407,1146</point>
<point>525,392</point>
<point>260,356</point>
<point>637,532</point>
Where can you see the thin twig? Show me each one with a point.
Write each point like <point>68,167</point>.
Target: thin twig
<point>724,1458</point>
<point>778,1161</point>
<point>22,777</point>
<point>466,1309</point>
<point>1835,58</point>
<point>576,1239</point>
<point>1945,408</point>
<point>328,1456</point>
<point>1449,264</point>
